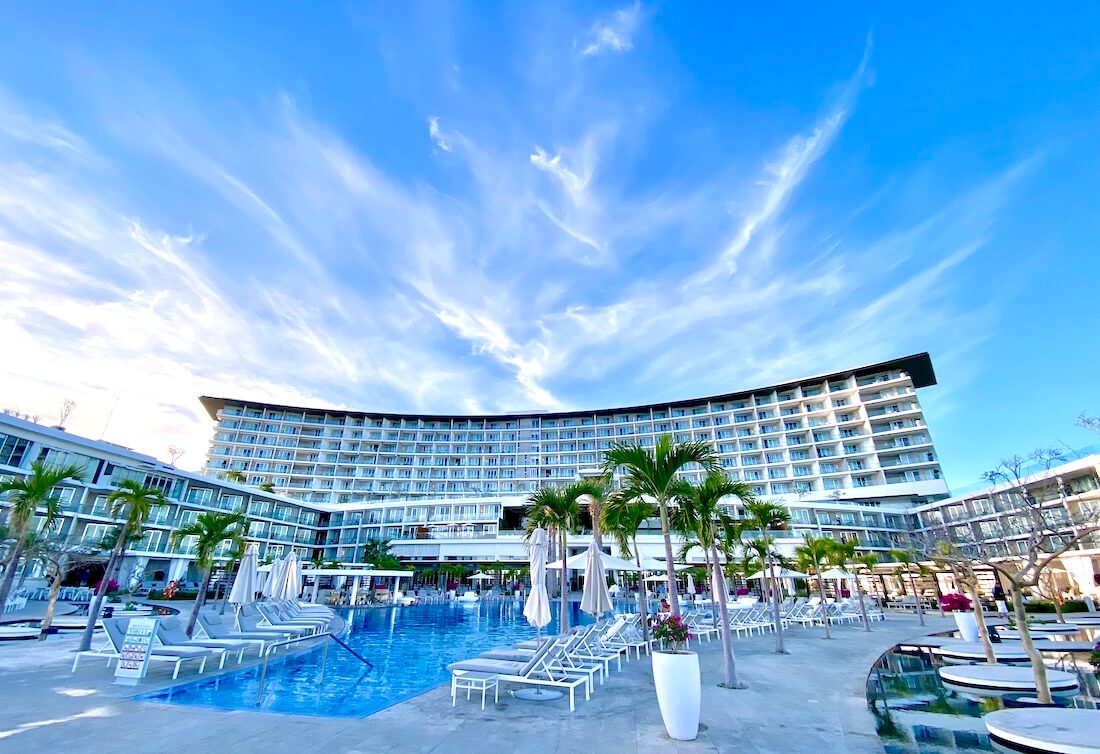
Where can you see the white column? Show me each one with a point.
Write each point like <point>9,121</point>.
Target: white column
<point>316,586</point>
<point>354,590</point>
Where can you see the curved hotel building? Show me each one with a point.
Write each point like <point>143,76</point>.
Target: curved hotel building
<point>848,452</point>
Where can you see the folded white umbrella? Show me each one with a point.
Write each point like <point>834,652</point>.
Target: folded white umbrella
<point>690,584</point>
<point>291,577</point>
<point>595,599</point>
<point>245,585</point>
<point>274,579</point>
<point>537,607</point>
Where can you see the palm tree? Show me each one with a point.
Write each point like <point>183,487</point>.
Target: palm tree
<point>867,562</point>
<point>594,493</point>
<point>131,502</point>
<point>266,486</point>
<point>622,517</point>
<point>26,495</point>
<point>209,531</point>
<point>652,473</point>
<point>815,552</point>
<point>765,517</point>
<point>699,510</point>
<point>843,554</point>
<point>906,562</point>
<point>557,511</point>
<point>234,475</point>
<point>377,553</point>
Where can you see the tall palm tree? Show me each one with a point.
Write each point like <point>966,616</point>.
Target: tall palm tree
<point>815,553</point>
<point>622,517</point>
<point>25,496</point>
<point>699,510</point>
<point>209,531</point>
<point>594,493</point>
<point>557,511</point>
<point>651,473</point>
<point>131,503</point>
<point>906,563</point>
<point>236,555</point>
<point>841,556</point>
<point>766,517</point>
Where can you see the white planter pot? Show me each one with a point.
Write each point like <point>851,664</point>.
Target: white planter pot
<point>968,626</point>
<point>676,676</point>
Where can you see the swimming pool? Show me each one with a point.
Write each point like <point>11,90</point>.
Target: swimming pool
<point>409,647</point>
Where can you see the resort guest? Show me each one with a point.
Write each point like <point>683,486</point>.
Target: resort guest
<point>665,607</point>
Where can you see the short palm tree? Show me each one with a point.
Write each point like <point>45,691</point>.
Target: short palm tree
<point>907,564</point>
<point>236,476</point>
<point>131,503</point>
<point>266,486</point>
<point>651,473</point>
<point>209,531</point>
<point>699,511</point>
<point>557,511</point>
<point>766,517</point>
<point>842,556</point>
<point>26,496</point>
<point>814,552</point>
<point>622,517</point>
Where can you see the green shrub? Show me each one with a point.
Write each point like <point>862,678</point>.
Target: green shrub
<point>1045,606</point>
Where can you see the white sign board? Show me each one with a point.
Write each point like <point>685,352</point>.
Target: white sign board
<point>133,659</point>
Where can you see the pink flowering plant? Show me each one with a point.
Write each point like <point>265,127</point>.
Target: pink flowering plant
<point>952,603</point>
<point>672,630</point>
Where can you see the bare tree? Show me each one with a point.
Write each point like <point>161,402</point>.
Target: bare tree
<point>174,453</point>
<point>1084,421</point>
<point>1041,514</point>
<point>947,555</point>
<point>67,407</point>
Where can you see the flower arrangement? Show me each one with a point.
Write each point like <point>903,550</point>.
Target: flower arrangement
<point>1094,657</point>
<point>672,630</point>
<point>954,603</point>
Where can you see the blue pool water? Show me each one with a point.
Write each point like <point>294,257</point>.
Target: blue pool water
<point>409,647</point>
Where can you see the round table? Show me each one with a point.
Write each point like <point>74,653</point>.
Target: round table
<point>973,651</point>
<point>1045,729</point>
<point>1003,680</point>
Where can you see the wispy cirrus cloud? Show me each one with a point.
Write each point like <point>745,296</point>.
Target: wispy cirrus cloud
<point>614,33</point>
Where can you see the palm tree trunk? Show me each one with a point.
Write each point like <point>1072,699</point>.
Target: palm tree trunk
<point>9,572</point>
<point>55,589</point>
<point>710,576</point>
<point>777,617</point>
<point>563,621</point>
<point>729,662</point>
<point>643,598</point>
<point>916,595</point>
<point>670,568</point>
<point>1038,669</point>
<point>824,604</point>
<point>97,601</point>
<point>862,605</point>
<point>200,598</point>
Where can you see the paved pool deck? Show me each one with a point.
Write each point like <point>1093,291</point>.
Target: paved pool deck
<point>810,700</point>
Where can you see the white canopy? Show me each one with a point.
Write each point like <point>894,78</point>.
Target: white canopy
<point>652,564</point>
<point>482,577</point>
<point>595,599</point>
<point>838,574</point>
<point>245,585</point>
<point>537,608</point>
<point>780,573</point>
<point>579,561</point>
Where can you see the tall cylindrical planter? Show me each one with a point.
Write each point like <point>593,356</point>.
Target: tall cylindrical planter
<point>676,676</point>
<point>968,625</point>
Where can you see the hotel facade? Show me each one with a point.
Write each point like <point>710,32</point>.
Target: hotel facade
<point>848,453</point>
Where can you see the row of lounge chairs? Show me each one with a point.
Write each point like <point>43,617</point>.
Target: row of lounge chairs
<point>568,661</point>
<point>262,627</point>
<point>748,617</point>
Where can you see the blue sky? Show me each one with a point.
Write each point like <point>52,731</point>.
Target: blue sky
<point>483,207</point>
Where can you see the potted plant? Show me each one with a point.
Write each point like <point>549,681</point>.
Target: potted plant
<point>676,677</point>
<point>959,605</point>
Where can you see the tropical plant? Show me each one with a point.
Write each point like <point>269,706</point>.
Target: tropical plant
<point>907,563</point>
<point>651,473</point>
<point>622,517</point>
<point>377,553</point>
<point>815,553</point>
<point>266,486</point>
<point>236,476</point>
<point>594,493</point>
<point>27,495</point>
<point>209,531</point>
<point>841,556</point>
<point>131,502</point>
<point>699,511</point>
<point>236,555</point>
<point>558,512</point>
<point>765,517</point>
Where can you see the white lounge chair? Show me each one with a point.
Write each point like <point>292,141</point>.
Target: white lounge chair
<point>115,632</point>
<point>537,671</point>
